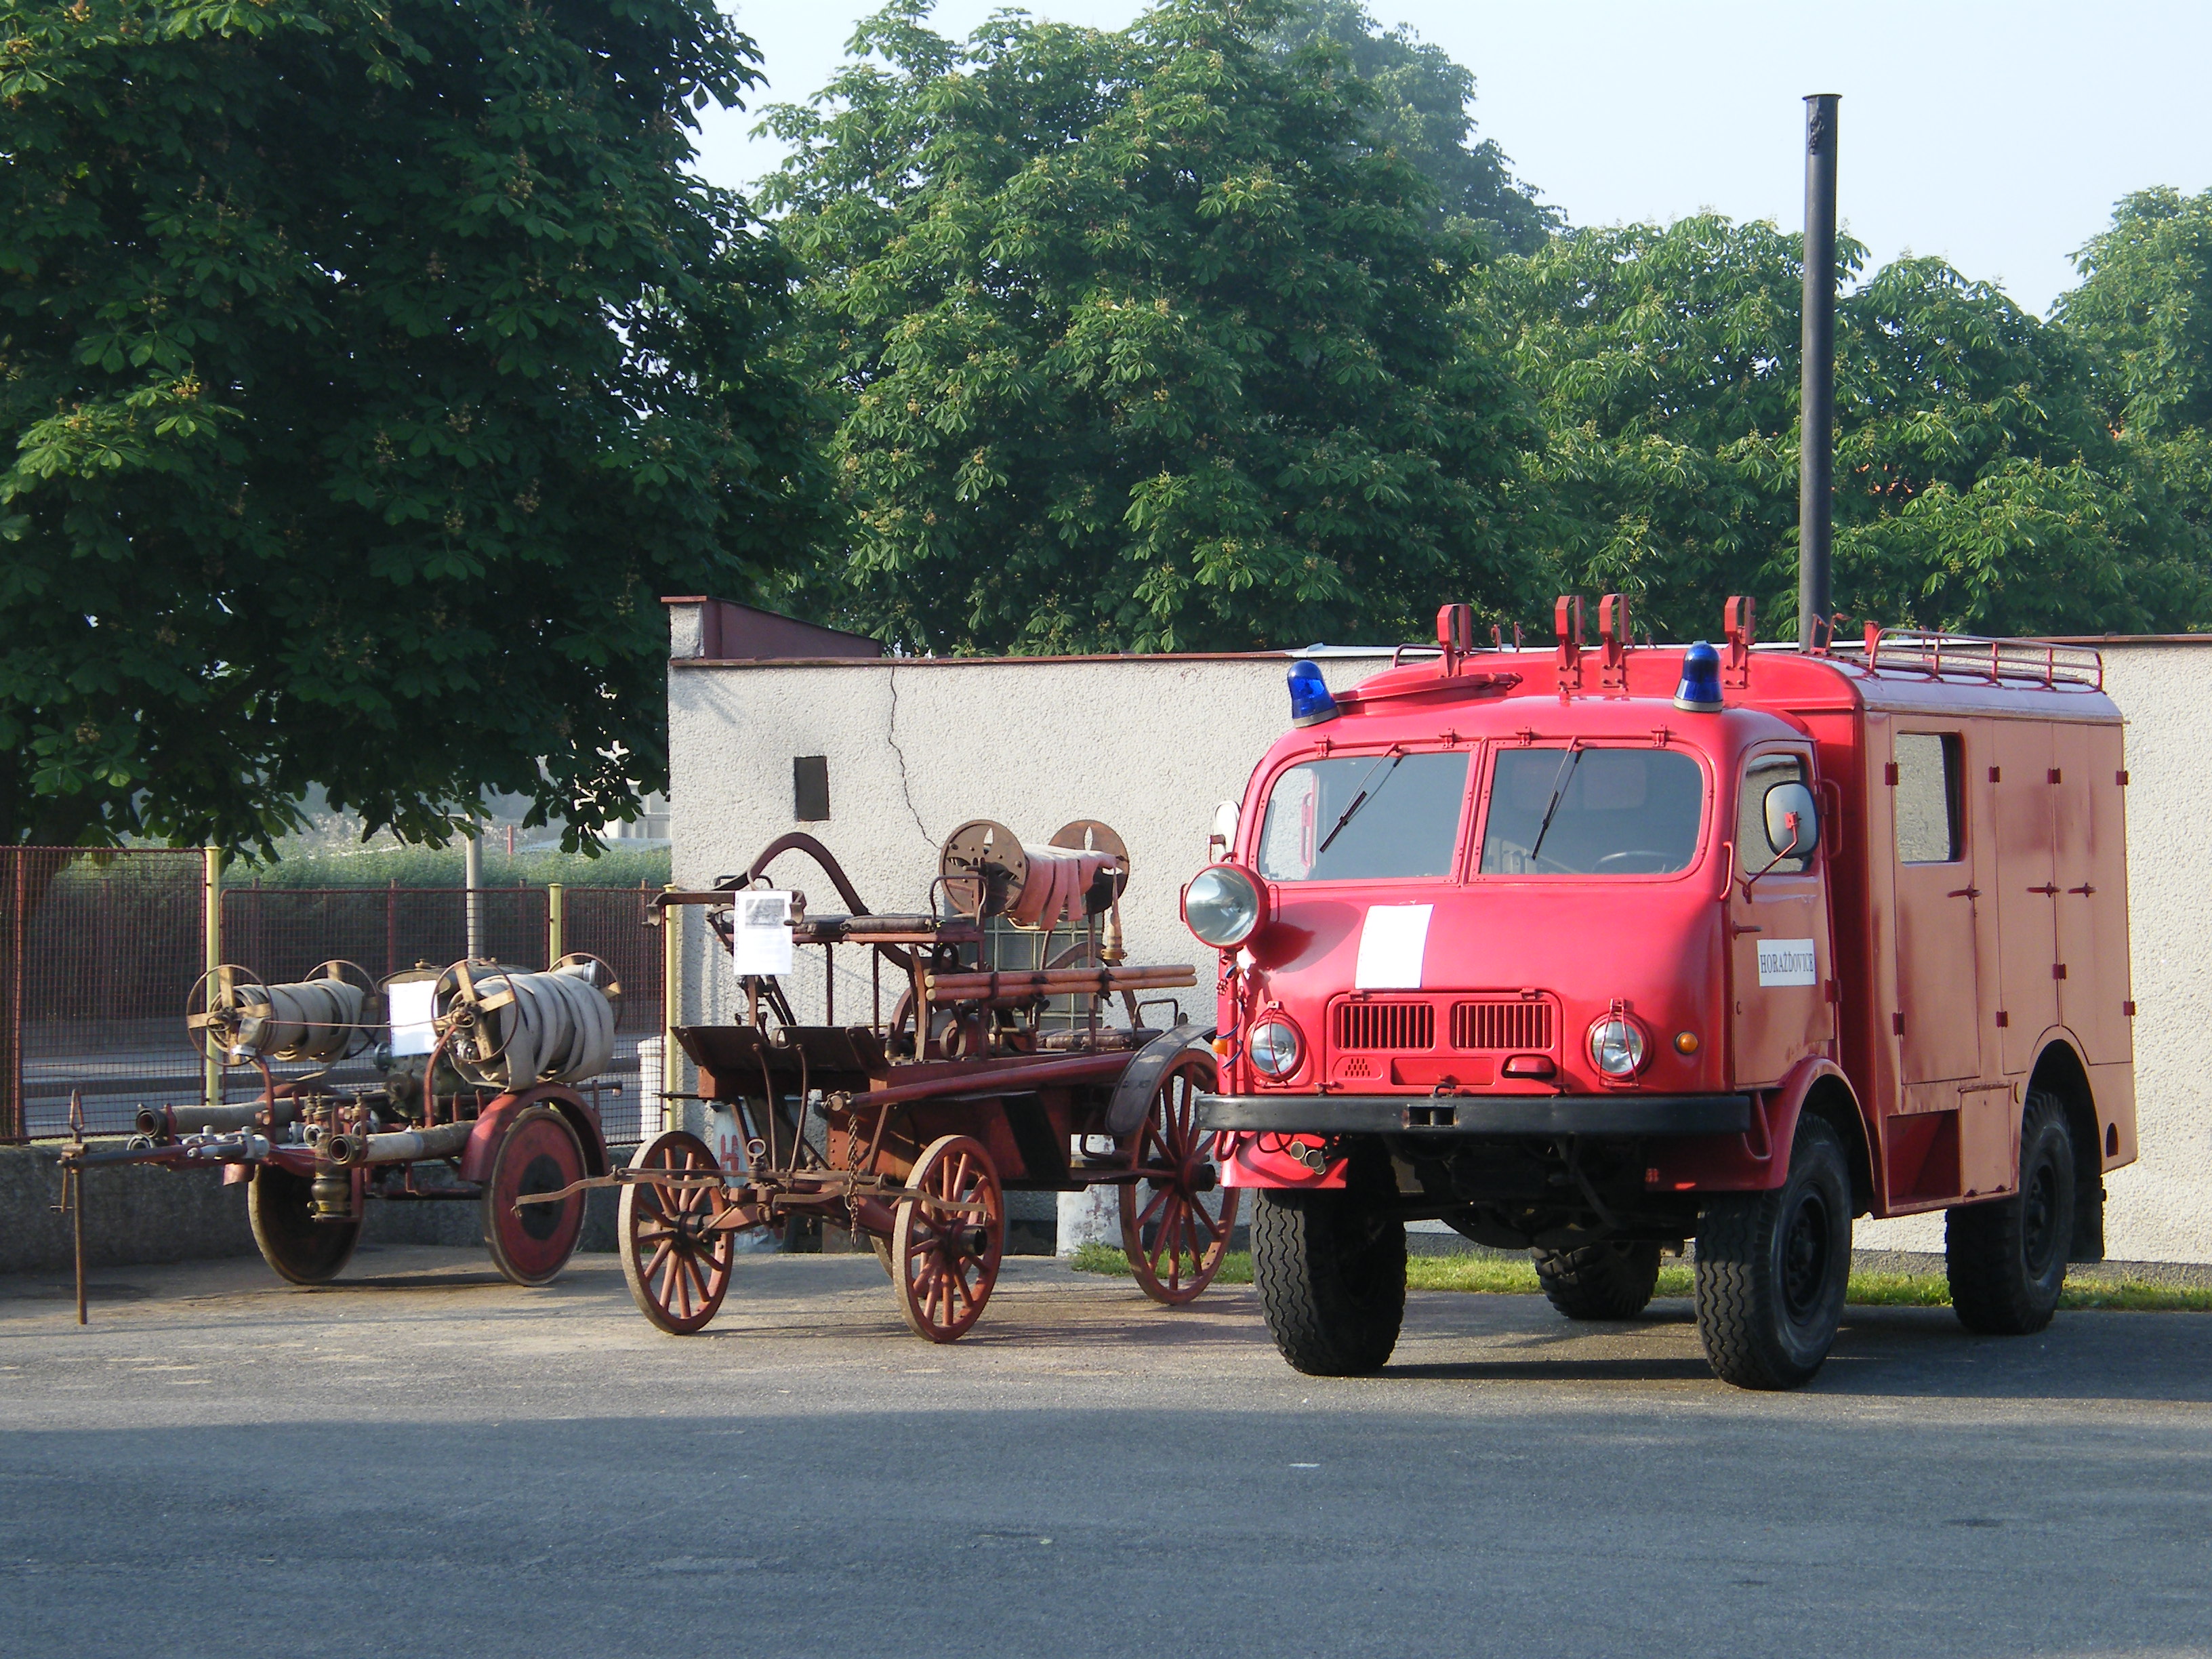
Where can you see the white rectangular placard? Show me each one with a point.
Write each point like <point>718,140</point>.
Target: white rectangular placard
<point>761,942</point>
<point>1787,961</point>
<point>1392,942</point>
<point>411,1005</point>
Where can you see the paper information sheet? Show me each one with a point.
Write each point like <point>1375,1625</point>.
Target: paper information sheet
<point>1786,962</point>
<point>761,942</point>
<point>410,1004</point>
<point>1392,942</point>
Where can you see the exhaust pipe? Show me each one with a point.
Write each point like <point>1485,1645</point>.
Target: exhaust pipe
<point>1816,456</point>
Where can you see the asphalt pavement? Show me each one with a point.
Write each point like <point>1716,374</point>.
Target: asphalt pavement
<point>424,1460</point>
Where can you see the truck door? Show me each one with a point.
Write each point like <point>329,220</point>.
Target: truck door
<point>2027,920</point>
<point>1779,962</point>
<point>2090,872</point>
<point>1939,905</point>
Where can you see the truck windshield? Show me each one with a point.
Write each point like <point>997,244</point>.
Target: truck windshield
<point>1592,813</point>
<point>1365,818</point>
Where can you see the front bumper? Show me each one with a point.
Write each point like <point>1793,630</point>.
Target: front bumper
<point>1478,1114</point>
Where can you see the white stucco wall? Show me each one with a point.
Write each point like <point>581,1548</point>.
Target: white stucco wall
<point>1152,745</point>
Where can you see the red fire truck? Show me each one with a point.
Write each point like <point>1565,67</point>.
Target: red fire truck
<point>1597,950</point>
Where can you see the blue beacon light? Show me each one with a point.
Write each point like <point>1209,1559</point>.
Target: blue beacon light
<point>1310,703</point>
<point>1700,693</point>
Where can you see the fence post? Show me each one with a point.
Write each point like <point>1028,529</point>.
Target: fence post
<point>211,907</point>
<point>556,924</point>
<point>672,972</point>
<point>13,1117</point>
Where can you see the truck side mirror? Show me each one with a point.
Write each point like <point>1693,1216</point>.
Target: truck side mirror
<point>1793,822</point>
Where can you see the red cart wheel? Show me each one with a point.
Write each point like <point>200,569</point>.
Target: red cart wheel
<point>539,1154</point>
<point>677,1263</point>
<point>280,1205</point>
<point>1174,1243</point>
<point>945,1260</point>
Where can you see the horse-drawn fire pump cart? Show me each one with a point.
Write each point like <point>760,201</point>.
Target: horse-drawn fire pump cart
<point>480,1097</point>
<point>995,1069</point>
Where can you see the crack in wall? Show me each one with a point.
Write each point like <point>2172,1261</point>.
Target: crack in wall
<point>891,736</point>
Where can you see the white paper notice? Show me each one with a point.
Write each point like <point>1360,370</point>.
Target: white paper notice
<point>1392,942</point>
<point>1787,961</point>
<point>761,941</point>
<point>409,1006</point>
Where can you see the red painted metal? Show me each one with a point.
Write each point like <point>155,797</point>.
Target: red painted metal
<point>1923,995</point>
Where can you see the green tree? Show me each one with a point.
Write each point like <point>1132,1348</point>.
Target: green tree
<point>1976,488</point>
<point>1421,103</point>
<point>1143,342</point>
<point>371,368</point>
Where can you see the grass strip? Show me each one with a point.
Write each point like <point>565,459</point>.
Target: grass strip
<point>1507,1276</point>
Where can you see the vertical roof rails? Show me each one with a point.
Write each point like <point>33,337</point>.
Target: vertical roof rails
<point>2027,662</point>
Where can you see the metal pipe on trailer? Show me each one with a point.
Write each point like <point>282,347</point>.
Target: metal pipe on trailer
<point>401,1146</point>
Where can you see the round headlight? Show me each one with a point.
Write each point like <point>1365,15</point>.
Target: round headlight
<point>1274,1047</point>
<point>1616,1047</point>
<point>1222,906</point>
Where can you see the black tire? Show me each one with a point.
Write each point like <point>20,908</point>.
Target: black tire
<point>1611,1280</point>
<point>1331,1280</point>
<point>280,1206</point>
<point>1772,1267</point>
<point>2007,1259</point>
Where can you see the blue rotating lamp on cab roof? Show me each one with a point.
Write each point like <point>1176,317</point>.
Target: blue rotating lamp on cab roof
<point>1310,702</point>
<point>1699,692</point>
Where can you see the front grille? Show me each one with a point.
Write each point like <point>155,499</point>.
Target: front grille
<point>1386,1025</point>
<point>1521,1024</point>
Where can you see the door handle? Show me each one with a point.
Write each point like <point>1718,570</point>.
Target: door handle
<point>1964,892</point>
<point>2048,891</point>
<point>1740,928</point>
<point>2085,890</point>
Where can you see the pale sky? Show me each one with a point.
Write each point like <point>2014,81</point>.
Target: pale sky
<point>1996,135</point>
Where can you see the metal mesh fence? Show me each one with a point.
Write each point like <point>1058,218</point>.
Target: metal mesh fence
<point>609,922</point>
<point>99,951</point>
<point>102,949</point>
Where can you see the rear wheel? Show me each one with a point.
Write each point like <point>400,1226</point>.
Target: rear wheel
<point>1612,1280</point>
<point>2007,1260</point>
<point>1772,1269</point>
<point>531,1244</point>
<point>307,1251</point>
<point>1331,1274</point>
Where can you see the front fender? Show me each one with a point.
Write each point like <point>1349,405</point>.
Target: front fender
<point>492,1125</point>
<point>1756,1161</point>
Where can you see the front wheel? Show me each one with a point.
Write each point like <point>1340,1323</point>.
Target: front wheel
<point>1772,1269</point>
<point>1331,1274</point>
<point>2007,1260</point>
<point>1174,1244</point>
<point>530,1243</point>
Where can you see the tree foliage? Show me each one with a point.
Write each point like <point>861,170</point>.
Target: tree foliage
<point>373,366</point>
<point>1977,487</point>
<point>1421,106</point>
<point>1144,340</point>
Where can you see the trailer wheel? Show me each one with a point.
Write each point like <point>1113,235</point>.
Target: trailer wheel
<point>1331,1280</point>
<point>945,1260</point>
<point>1772,1269</point>
<point>1611,1280</point>
<point>539,1154</point>
<point>1174,1244</point>
<point>674,1260</point>
<point>300,1247</point>
<point>2007,1260</point>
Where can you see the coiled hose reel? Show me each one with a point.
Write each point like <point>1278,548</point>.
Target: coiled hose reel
<point>234,1018</point>
<point>506,1029</point>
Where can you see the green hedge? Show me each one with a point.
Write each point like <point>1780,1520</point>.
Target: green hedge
<point>440,867</point>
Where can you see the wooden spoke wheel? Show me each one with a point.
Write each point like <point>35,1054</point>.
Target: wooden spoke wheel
<point>943,1260</point>
<point>677,1263</point>
<point>1174,1243</point>
<point>307,1251</point>
<point>539,1154</point>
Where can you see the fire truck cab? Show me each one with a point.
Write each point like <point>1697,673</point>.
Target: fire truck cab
<point>1597,950</point>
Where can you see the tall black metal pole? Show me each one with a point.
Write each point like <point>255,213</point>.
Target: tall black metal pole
<point>1817,399</point>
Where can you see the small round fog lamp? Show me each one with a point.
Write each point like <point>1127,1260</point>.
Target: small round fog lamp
<point>1616,1047</point>
<point>1274,1047</point>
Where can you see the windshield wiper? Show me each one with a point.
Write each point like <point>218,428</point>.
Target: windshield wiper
<point>1560,779</point>
<point>1359,799</point>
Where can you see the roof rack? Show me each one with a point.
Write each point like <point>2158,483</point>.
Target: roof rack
<point>2032,662</point>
